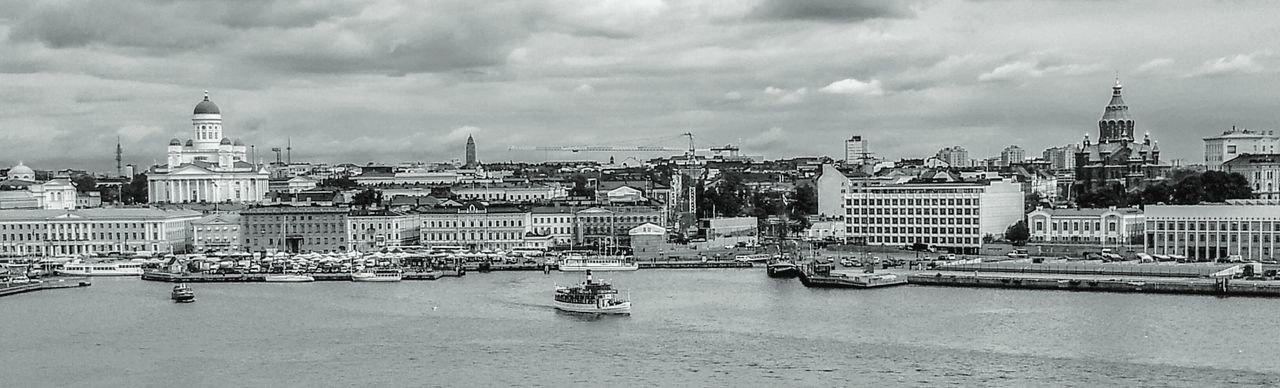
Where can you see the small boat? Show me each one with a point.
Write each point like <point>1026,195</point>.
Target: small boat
<point>779,268</point>
<point>378,275</point>
<point>182,294</point>
<point>289,278</point>
<point>592,296</point>
<point>821,275</point>
<point>578,263</point>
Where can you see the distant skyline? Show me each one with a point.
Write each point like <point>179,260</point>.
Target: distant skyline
<point>391,81</point>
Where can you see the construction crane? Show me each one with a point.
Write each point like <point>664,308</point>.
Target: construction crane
<point>607,148</point>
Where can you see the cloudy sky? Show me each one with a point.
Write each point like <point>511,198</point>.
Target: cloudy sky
<point>397,80</point>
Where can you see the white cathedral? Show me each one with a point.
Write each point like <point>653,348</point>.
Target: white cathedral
<point>207,168</point>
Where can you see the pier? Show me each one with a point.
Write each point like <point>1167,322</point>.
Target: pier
<point>45,284</point>
<point>1103,283</point>
<point>260,277</point>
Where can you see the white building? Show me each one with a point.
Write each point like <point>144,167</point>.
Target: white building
<point>1110,226</point>
<point>854,150</point>
<point>1215,231</point>
<point>1012,155</point>
<point>216,232</point>
<point>1262,171</point>
<point>474,226</point>
<point>371,230</point>
<point>557,222</point>
<point>90,231</point>
<point>26,193</point>
<point>1235,142</point>
<point>954,216</point>
<point>208,167</point>
<point>955,156</point>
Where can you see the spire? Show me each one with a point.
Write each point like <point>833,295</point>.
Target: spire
<point>206,93</point>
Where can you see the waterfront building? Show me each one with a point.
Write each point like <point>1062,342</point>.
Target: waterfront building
<point>1235,142</point>
<point>1012,155</point>
<point>24,192</point>
<point>721,231</point>
<point>1248,228</point>
<point>608,226</point>
<point>371,230</point>
<point>216,232</point>
<point>91,231</point>
<point>557,222</point>
<point>855,150</point>
<point>294,229</point>
<point>1107,226</point>
<point>1262,171</point>
<point>1117,157</point>
<point>474,225</point>
<point>648,241</point>
<point>955,216</point>
<point>955,156</point>
<point>208,167</point>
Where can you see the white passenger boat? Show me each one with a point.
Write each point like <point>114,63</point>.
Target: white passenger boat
<point>378,275</point>
<point>592,296</point>
<point>289,278</point>
<point>121,268</point>
<point>579,263</point>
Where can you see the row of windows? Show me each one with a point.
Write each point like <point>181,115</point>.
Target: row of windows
<point>915,221</point>
<point>1265,226</point>
<point>298,228</point>
<point>912,230</point>
<point>474,223</point>
<point>472,236</point>
<point>911,202</point>
<point>74,236</point>
<point>912,211</point>
<point>98,225</point>
<point>1075,226</point>
<point>926,240</point>
<point>1219,237</point>
<point>303,240</point>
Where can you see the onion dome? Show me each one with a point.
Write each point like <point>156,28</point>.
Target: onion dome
<point>225,141</point>
<point>175,141</point>
<point>206,106</point>
<point>190,143</point>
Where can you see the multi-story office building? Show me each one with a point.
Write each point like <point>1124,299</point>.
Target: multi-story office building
<point>371,230</point>
<point>608,226</point>
<point>855,150</point>
<point>1262,171</point>
<point>294,229</point>
<point>558,222</point>
<point>1248,228</point>
<point>474,226</point>
<point>216,232</point>
<point>1012,155</point>
<point>1061,158</point>
<point>1235,142</point>
<point>955,156</point>
<point>90,231</point>
<point>1110,226</point>
<point>954,216</point>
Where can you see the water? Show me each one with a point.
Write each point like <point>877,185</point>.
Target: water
<point>689,328</point>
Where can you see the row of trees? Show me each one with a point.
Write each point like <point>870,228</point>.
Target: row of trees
<point>1209,186</point>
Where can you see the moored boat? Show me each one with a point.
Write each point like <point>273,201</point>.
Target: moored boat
<point>383,275</point>
<point>821,275</point>
<point>780,268</point>
<point>289,278</point>
<point>182,294</point>
<point>120,268</point>
<point>579,263</point>
<point>592,296</point>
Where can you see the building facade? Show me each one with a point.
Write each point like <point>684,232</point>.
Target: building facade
<point>1118,157</point>
<point>216,232</point>
<point>26,193</point>
<point>855,150</point>
<point>951,216</point>
<point>1235,142</point>
<point>608,226</point>
<point>294,229</point>
<point>955,156</point>
<point>1061,158</point>
<point>92,231</point>
<point>1109,226</point>
<point>1215,231</point>
<point>1012,155</point>
<point>372,230</point>
<point>558,222</point>
<point>1262,171</point>
<point>208,167</point>
<point>474,226</point>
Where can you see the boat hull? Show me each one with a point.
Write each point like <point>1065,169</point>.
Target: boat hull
<point>783,271</point>
<point>603,268</point>
<point>289,279</point>
<point>623,308</point>
<point>100,273</point>
<point>376,279</point>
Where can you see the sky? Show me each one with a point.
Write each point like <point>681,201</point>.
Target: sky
<point>396,80</point>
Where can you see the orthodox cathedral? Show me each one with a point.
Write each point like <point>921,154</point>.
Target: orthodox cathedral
<point>1117,157</point>
<point>208,167</point>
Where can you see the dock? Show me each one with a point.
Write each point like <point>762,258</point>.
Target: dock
<point>1100,283</point>
<point>694,264</point>
<point>259,277</point>
<point>46,284</point>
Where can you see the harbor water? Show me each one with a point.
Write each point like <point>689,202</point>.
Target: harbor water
<point>723,327</point>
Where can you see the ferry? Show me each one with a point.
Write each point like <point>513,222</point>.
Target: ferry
<point>289,278</point>
<point>819,275</point>
<point>123,268</point>
<point>780,268</point>
<point>592,296</point>
<point>378,275</point>
<point>182,294</point>
<point>579,263</point>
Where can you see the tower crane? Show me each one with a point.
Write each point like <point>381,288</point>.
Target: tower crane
<point>609,148</point>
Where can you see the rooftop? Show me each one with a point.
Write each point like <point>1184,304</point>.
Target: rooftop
<point>105,214</point>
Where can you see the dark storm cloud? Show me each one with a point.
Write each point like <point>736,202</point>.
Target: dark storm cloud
<point>831,10</point>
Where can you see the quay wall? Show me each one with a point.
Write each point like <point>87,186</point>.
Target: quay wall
<point>47,284</point>
<point>1118,284</point>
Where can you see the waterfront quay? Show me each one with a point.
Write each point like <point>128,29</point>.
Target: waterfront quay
<point>170,277</point>
<point>1100,283</point>
<point>51,283</point>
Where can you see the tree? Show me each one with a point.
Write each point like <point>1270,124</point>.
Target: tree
<point>1031,201</point>
<point>580,188</point>
<point>134,192</point>
<point>804,203</point>
<point>367,197</point>
<point>84,183</point>
<point>343,183</point>
<point>1018,234</point>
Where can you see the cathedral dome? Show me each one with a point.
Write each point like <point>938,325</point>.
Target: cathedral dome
<point>206,106</point>
<point>22,172</point>
<point>175,141</point>
<point>190,143</point>
<point>237,142</point>
<point>225,141</point>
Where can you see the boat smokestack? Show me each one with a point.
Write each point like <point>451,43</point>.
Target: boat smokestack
<point>588,276</point>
